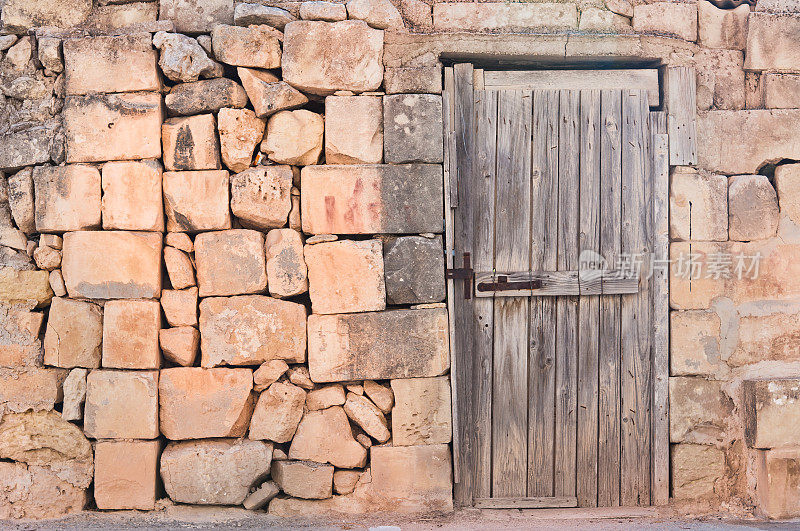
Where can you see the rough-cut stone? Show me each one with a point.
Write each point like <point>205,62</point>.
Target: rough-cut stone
<point>695,343</point>
<point>268,373</point>
<point>369,199</point>
<point>720,80</point>
<point>191,143</point>
<point>414,270</point>
<point>381,396</point>
<point>379,14</point>
<point>268,94</point>
<point>126,474</point>
<point>180,306</point>
<point>778,484</point>
<point>121,405</point>
<point>378,345</point>
<point>132,196</point>
<point>197,200</point>
<point>240,131</point>
<point>344,481</point>
<point>74,334</point>
<point>358,50</point>
<point>101,127</point>
<point>413,80</point>
<point>179,268</point>
<point>57,283</point>
<point>222,395</point>
<point>67,197</point>
<point>260,497</point>
<point>771,42</point>
<point>412,128</point>
<point>130,334</point>
<point>180,344</point>
<point>417,13</point>
<point>50,54</point>
<point>30,388</point>
<point>179,240</point>
<point>421,414</point>
<point>127,18</point>
<point>196,16</point>
<point>287,273</point>
<point>216,472</point>
<point>367,415</point>
<point>230,262</point>
<point>253,46</point>
<point>667,18</point>
<point>787,184</point>
<point>278,412</point>
<point>752,208</point>
<point>21,15</point>
<point>781,91</point>
<point>205,96</point>
<point>25,286</point>
<point>353,130</point>
<point>321,10</point>
<point>21,200</point>
<point>294,137</point>
<point>251,329</point>
<point>112,264</point>
<point>37,492</point>
<point>325,436</point>
<point>47,258</point>
<point>260,197</point>
<point>722,28</point>
<point>697,471</point>
<point>698,205</point>
<point>511,17</point>
<point>413,478</point>
<point>183,59</point>
<point>125,63</point>
<point>699,410</point>
<point>36,144</point>
<point>771,412</point>
<point>304,479</point>
<point>768,333</point>
<point>74,394</point>
<point>299,376</point>
<point>325,397</point>
<point>599,20</point>
<point>252,14</point>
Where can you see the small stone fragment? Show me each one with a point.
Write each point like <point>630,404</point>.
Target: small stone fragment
<point>57,283</point>
<point>304,479</point>
<point>344,481</point>
<point>325,436</point>
<point>206,96</point>
<point>294,137</point>
<point>74,394</point>
<point>180,345</point>
<point>381,396</point>
<point>179,268</point>
<point>197,200</point>
<point>180,306</point>
<point>298,375</point>
<point>356,388</point>
<point>183,59</point>
<point>191,143</point>
<point>367,415</point>
<point>268,373</point>
<point>47,258</point>
<point>364,440</point>
<point>130,334</point>
<point>240,131</point>
<point>259,498</point>
<point>253,46</point>
<point>287,274</point>
<point>325,11</point>
<point>325,397</point>
<point>268,94</point>
<point>179,240</point>
<point>74,334</point>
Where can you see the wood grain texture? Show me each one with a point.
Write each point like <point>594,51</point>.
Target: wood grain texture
<point>559,283</point>
<point>681,105</point>
<point>525,503</point>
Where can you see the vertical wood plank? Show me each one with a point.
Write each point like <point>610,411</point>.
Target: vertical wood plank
<point>512,236</point>
<point>588,306</point>
<point>483,199</point>
<point>567,307</point>
<point>544,234</point>
<point>681,105</point>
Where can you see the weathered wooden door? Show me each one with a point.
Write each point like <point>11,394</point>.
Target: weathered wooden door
<point>558,200</point>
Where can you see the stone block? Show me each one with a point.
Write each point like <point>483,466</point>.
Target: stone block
<point>412,128</point>
<point>781,91</point>
<point>378,345</point>
<point>67,197</point>
<point>222,395</point>
<point>268,94</point>
<point>422,413</point>
<point>180,306</point>
<point>25,286</point>
<point>260,497</point>
<point>130,334</point>
<point>19,336</point>
<point>417,14</point>
<point>21,15</point>
<point>278,412</point>
<point>23,489</point>
<point>132,197</point>
<point>512,17</point>
<point>74,334</point>
<point>252,46</point>
<point>357,47</point>
<point>196,16</point>
<point>601,20</point>
<point>325,436</point>
<point>21,200</point>
<point>381,395</point>
<point>413,478</point>
<point>771,413</point>
<point>230,262</point>
<point>251,329</point>
<point>126,474</point>
<point>287,274</point>
<point>787,185</point>
<point>247,14</point>
<point>125,18</point>
<point>31,388</point>
<point>34,145</point>
<point>381,14</point>
<point>772,42</point>
<point>74,394</point>
<point>179,268</point>
<point>695,343</point>
<point>268,373</point>
<point>353,130</point>
<point>345,276</point>
<point>260,196</point>
<point>778,483</point>
<point>666,18</point>
<point>294,137</point>
<point>180,344</point>
<point>367,416</point>
<point>112,264</point>
<point>197,200</point>
<point>183,59</point>
<point>413,80</point>
<point>47,258</point>
<point>240,131</point>
<point>722,28</point>
<point>698,205</point>
<point>697,471</point>
<point>206,96</point>
<point>179,240</point>
<point>767,333</point>
<point>370,199</point>
<point>752,208</point>
<point>778,6</point>
<point>304,479</point>
<point>325,11</point>
<point>216,472</point>
<point>124,63</point>
<point>121,405</point>
<point>720,80</point>
<point>325,397</point>
<point>700,411</point>
<point>414,269</point>
<point>191,143</point>
<point>101,127</point>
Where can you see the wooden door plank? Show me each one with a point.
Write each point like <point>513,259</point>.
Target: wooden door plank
<point>544,234</point>
<point>608,485</point>
<point>483,258</point>
<point>588,306</point>
<point>637,217</point>
<point>557,283</point>
<point>681,105</point>
<point>567,307</point>
<point>525,503</point>
<point>512,236</point>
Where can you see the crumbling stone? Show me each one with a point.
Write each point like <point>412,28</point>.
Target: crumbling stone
<point>130,334</point>
<point>132,196</point>
<point>294,137</point>
<point>240,131</point>
<point>121,405</point>
<point>722,28</point>
<point>37,492</point>
<point>126,474</point>
<point>752,208</point>
<point>21,200</point>
<point>379,14</point>
<point>197,200</point>
<point>74,334</point>
<point>278,412</point>
<point>699,410</point>
<point>36,144</point>
<point>25,286</point>
<point>183,59</point>
<point>196,16</point>
<point>421,414</point>
<point>180,344</point>
<point>260,497</point>
<point>304,479</point>
<point>205,96</point>
<point>67,198</point>
<point>253,46</point>
<point>21,15</point>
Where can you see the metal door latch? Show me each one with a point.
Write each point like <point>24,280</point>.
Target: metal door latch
<point>502,284</point>
<point>464,273</point>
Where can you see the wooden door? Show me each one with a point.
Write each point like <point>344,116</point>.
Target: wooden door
<point>559,339</point>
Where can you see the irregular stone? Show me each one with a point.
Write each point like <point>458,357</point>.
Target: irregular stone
<point>413,80</point>
<point>698,205</point>
<point>367,415</point>
<point>180,344</point>
<point>299,376</point>
<point>417,13</point>
<point>132,196</point>
<point>74,334</point>
<point>223,395</point>
<point>183,59</point>
<point>30,388</point>
<point>295,221</point>
<point>771,412</point>
<point>126,474</point>
<point>777,483</point>
<point>321,10</point>
<point>720,80</point>
<point>253,46</point>
<point>179,268</point>
<point>112,264</point>
<point>265,329</point>
<point>14,239</point>
<point>278,412</point>
<point>695,346</point>
<point>287,274</point>
<point>254,14</point>
<point>381,396</point>
<point>216,472</point>
<point>124,63</point>
<point>304,479</point>
<point>240,132</point>
<point>67,198</point>
<point>7,41</point>
<point>356,388</point>
<point>121,405</point>
<point>57,283</point>
<point>512,17</point>
<point>21,15</point>
<point>260,497</point>
<point>600,20</point>
<point>699,410</point>
<point>74,394</point>
<point>325,397</point>
<point>294,137</point>
<point>421,414</point>
<point>325,436</point>
<point>25,286</point>
<point>50,54</point>
<point>414,270</point>
<point>53,241</point>
<point>205,96</point>
<point>357,47</point>
<point>344,481</point>
<point>180,306</point>
<point>353,130</point>
<point>372,199</point>
<point>409,124</point>
<point>752,208</point>
<point>196,16</point>
<point>666,18</point>
<point>47,258</point>
<point>379,14</point>
<point>130,334</point>
<point>37,492</point>
<point>32,145</point>
<point>697,471</point>
<point>260,196</point>
<point>197,200</point>
<point>722,28</point>
<point>230,262</point>
<point>268,94</point>
<point>101,127</point>
<point>268,373</point>
<point>771,42</point>
<point>179,240</point>
<point>781,91</point>
<point>191,143</point>
<point>21,200</point>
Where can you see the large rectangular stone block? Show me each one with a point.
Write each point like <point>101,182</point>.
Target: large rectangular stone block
<point>67,197</point>
<point>378,345</point>
<point>197,200</point>
<point>421,413</point>
<point>121,405</point>
<point>781,91</point>
<point>772,42</point>
<point>459,16</point>
<point>413,128</point>
<point>21,15</point>
<point>772,413</point>
<point>767,332</point>
<point>778,482</point>
<point>364,199</point>
<point>112,264</point>
<point>126,474</point>
<point>695,343</point>
<point>700,410</point>
<point>413,478</point>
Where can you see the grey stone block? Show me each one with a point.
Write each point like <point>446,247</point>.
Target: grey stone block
<point>414,270</point>
<point>412,128</point>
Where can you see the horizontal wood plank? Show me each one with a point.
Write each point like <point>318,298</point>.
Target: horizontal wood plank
<point>526,503</point>
<point>555,283</point>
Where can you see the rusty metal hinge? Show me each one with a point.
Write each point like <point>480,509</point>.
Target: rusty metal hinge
<point>464,273</point>
<point>502,284</point>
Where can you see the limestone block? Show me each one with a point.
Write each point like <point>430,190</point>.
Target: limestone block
<point>511,17</point>
<point>325,397</point>
<point>720,79</point>
<point>777,483</point>
<point>346,276</point>
<point>196,16</point>
<point>365,414</point>
<point>325,436</point>
<point>253,14</point>
<point>771,42</point>
<point>25,286</point>
<point>112,264</point>
<point>125,63</point>
<point>222,395</point>
<point>265,329</point>
<point>240,131</point>
<point>287,273</point>
<point>50,54</point>
<point>74,394</point>
<point>294,137</point>
<point>191,143</point>
<point>268,373</point>
<point>183,59</point>
<point>180,344</point>
<point>67,197</point>
<point>74,334</point>
<point>325,11</point>
<point>57,283</point>
<point>260,196</point>
<point>179,268</point>
<point>699,410</point>
<point>771,413</point>
<point>253,46</point>
<point>778,6</point>
<point>130,334</point>
<point>413,80</point>
<point>126,474</point>
<point>781,91</point>
<point>21,15</point>
<point>180,306</point>
<point>600,20</point>
<point>21,200</point>
<point>353,130</point>
<point>752,208</point>
<point>230,262</point>
<point>101,127</point>
<point>787,184</point>
<point>31,388</point>
<point>208,95</point>
<point>381,395</point>
<point>268,94</point>
<point>278,412</point>
<point>216,472</point>
<point>414,270</point>
<point>197,200</point>
<point>357,47</point>
<point>413,478</point>
<point>697,471</point>
<point>121,405</point>
<point>179,240</point>
<point>379,14</point>
<point>421,414</point>
<point>722,28</point>
<point>667,18</point>
<point>344,481</point>
<point>698,205</point>
<point>417,13</point>
<point>304,479</point>
<point>19,335</point>
<point>132,196</point>
<point>767,334</point>
<point>695,343</point>
<point>120,18</point>
<point>260,497</point>
<point>378,345</point>
<point>37,492</point>
<point>412,128</point>
<point>370,199</point>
